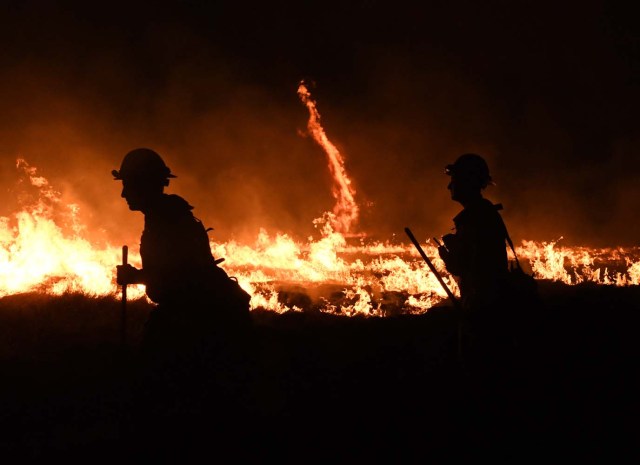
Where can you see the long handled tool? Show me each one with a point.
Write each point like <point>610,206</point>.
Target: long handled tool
<point>456,303</point>
<point>123,311</point>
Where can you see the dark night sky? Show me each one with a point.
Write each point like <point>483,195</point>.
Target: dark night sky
<point>546,91</point>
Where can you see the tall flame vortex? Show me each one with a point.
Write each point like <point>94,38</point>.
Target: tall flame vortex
<point>346,210</point>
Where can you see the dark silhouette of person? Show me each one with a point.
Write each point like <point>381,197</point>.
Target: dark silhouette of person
<point>476,254</point>
<point>192,349</point>
<point>179,271</point>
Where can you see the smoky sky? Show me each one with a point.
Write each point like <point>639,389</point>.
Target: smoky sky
<point>547,92</point>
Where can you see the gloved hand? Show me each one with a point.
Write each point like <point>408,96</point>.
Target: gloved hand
<point>450,242</point>
<point>127,274</point>
<point>449,253</point>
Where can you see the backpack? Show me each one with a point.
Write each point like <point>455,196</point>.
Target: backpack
<point>232,296</point>
<point>521,286</point>
<point>233,299</point>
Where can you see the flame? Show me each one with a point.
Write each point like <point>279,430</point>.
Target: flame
<point>574,265</point>
<point>45,248</point>
<point>346,210</point>
<point>42,248</point>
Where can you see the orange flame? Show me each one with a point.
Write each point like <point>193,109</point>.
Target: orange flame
<point>42,248</point>
<point>574,265</point>
<point>346,211</point>
<point>45,248</point>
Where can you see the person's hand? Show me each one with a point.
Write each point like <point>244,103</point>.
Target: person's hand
<point>448,251</point>
<point>127,274</point>
<point>450,241</point>
<point>444,253</point>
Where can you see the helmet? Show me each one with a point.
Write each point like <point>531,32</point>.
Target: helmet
<point>143,163</point>
<point>471,166</point>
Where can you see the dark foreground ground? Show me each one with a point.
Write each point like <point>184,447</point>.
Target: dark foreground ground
<point>329,389</point>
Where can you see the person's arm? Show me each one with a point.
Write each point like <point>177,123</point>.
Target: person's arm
<point>128,274</point>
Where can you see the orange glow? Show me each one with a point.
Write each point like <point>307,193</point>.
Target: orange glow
<point>38,254</point>
<point>45,248</point>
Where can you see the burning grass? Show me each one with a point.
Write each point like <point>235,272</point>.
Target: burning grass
<point>44,247</point>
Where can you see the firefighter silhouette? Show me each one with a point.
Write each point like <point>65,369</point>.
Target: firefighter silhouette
<point>193,352</point>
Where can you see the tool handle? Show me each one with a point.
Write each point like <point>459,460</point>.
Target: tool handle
<point>123,313</point>
<point>431,267</point>
<point>125,259</point>
<point>456,303</point>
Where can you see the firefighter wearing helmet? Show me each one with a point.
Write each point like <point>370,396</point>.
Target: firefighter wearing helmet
<point>177,262</point>
<point>144,176</point>
<point>476,255</point>
<point>195,317</point>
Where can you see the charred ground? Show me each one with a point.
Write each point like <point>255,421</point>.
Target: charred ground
<point>336,388</point>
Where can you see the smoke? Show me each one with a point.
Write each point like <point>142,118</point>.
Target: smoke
<point>218,101</point>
